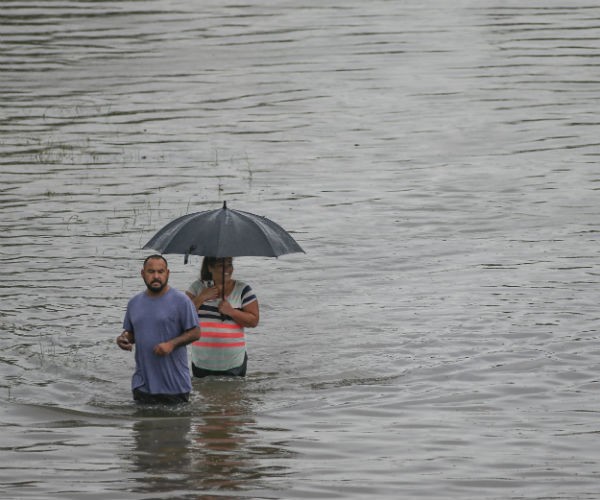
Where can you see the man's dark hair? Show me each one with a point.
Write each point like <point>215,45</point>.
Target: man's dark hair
<point>155,256</point>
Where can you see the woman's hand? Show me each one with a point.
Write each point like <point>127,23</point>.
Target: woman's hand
<point>204,295</point>
<point>226,308</point>
<point>208,294</point>
<point>248,316</point>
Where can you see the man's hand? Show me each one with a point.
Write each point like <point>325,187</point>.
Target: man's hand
<point>163,349</point>
<point>125,341</point>
<point>187,337</point>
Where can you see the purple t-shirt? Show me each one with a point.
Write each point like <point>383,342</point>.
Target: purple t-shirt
<point>154,320</point>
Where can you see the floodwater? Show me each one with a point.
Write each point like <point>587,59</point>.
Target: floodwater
<point>438,161</point>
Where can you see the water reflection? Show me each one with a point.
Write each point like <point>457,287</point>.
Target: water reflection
<point>206,447</point>
<point>161,453</point>
<point>221,442</point>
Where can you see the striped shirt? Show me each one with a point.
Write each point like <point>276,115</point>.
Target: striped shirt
<point>222,345</point>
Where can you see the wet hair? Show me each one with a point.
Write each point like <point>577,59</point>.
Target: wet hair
<point>205,273</point>
<point>155,256</point>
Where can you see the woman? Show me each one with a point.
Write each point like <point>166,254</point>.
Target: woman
<point>221,349</point>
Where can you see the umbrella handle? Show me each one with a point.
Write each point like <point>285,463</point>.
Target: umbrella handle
<point>223,284</point>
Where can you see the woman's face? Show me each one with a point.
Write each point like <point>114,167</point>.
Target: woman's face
<point>217,269</point>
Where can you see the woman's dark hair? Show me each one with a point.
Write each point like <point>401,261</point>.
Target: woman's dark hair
<point>205,273</point>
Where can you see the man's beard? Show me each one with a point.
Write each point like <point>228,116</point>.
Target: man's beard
<point>156,286</point>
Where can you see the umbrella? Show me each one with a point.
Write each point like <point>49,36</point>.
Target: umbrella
<point>223,233</point>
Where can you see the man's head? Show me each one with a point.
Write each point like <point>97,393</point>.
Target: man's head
<point>155,273</point>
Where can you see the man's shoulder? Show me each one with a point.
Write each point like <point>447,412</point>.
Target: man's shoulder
<point>180,303</point>
<point>178,296</point>
<point>171,293</point>
<point>137,297</point>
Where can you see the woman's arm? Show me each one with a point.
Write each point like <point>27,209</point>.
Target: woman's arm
<point>204,295</point>
<point>247,317</point>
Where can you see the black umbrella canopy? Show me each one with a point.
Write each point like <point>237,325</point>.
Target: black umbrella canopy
<point>223,233</point>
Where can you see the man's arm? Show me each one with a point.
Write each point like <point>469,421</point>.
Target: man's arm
<point>187,337</point>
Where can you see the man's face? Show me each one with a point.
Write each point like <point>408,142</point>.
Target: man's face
<point>155,275</point>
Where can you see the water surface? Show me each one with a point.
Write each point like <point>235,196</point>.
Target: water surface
<point>438,163</point>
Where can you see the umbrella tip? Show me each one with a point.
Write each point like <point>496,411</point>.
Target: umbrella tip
<point>224,204</point>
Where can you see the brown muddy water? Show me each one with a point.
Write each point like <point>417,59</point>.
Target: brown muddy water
<point>438,161</point>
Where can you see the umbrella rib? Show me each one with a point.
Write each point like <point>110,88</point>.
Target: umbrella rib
<point>184,223</point>
<point>261,230</point>
<point>221,227</point>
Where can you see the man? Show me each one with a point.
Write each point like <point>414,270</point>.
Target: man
<point>161,321</point>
